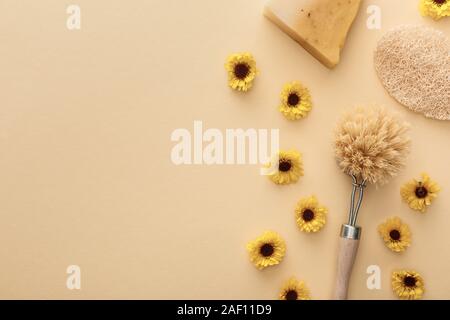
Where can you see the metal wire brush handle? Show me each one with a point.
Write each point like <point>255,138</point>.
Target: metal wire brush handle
<point>349,241</point>
<point>354,207</point>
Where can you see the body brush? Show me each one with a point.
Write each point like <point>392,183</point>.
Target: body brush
<point>370,146</point>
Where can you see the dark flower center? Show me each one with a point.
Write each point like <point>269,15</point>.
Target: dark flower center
<point>421,192</point>
<point>293,99</point>
<point>395,235</point>
<point>266,250</point>
<point>284,165</point>
<point>291,295</point>
<point>308,215</point>
<point>439,2</point>
<point>241,70</point>
<point>409,281</point>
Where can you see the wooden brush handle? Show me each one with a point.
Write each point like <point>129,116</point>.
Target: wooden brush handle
<point>348,247</point>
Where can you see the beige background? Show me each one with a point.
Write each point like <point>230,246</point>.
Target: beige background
<point>85,170</point>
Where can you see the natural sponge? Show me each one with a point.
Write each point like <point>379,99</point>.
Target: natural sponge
<point>413,64</point>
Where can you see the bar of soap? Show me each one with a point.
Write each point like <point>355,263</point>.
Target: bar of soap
<point>320,26</point>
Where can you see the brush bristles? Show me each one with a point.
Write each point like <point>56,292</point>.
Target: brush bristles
<point>371,144</point>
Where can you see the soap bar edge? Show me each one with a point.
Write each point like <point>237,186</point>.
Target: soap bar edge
<point>291,33</point>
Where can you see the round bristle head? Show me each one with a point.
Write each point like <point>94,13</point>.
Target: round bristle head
<point>371,144</point>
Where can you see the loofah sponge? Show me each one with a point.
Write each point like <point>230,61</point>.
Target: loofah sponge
<point>413,64</point>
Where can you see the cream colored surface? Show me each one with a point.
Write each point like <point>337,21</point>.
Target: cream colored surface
<point>85,170</point>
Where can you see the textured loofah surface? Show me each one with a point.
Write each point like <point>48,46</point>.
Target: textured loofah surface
<point>413,63</point>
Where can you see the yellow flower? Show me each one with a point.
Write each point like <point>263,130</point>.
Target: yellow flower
<point>294,290</point>
<point>310,216</point>
<point>435,9</point>
<point>266,250</point>
<point>295,101</point>
<point>407,284</point>
<point>420,193</point>
<point>242,71</point>
<point>396,234</point>
<point>289,169</point>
